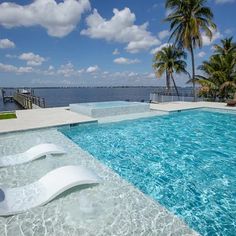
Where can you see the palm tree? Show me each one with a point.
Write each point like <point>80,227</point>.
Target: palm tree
<point>169,60</point>
<point>188,20</point>
<point>210,80</point>
<point>227,47</point>
<point>219,79</point>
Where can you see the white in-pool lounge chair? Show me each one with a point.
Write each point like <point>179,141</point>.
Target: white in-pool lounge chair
<point>33,153</point>
<point>20,199</point>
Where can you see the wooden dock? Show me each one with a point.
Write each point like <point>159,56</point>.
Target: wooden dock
<point>24,98</point>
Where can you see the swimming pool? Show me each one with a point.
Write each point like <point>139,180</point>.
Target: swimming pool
<point>101,109</point>
<point>186,161</point>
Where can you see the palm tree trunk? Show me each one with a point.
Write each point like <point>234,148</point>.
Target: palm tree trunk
<point>174,85</point>
<point>193,73</point>
<point>168,82</point>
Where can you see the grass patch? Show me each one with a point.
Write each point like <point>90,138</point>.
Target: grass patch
<point>8,115</point>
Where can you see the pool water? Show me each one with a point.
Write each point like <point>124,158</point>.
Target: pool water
<point>186,161</point>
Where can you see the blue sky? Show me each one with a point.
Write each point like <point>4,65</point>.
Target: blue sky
<point>91,43</point>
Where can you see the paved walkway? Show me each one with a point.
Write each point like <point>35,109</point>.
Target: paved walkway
<point>42,118</point>
<point>175,106</point>
<point>48,117</point>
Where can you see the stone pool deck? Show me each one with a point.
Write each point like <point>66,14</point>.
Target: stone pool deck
<point>42,118</point>
<point>49,117</point>
<point>175,106</point>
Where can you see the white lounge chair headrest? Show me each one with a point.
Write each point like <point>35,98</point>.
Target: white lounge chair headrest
<point>31,154</point>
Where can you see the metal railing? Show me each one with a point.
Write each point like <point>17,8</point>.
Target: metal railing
<point>159,98</point>
<point>173,97</point>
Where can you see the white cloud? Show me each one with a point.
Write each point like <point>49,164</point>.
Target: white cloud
<point>228,31</point>
<point>155,50</point>
<point>127,61</point>
<point>51,67</point>
<point>32,59</point>
<point>6,43</point>
<point>223,1</point>
<point>116,52</point>
<point>163,34</point>
<point>58,18</point>
<point>71,76</point>
<point>120,28</point>
<point>11,56</point>
<point>67,70</point>
<point>206,40</point>
<point>15,69</point>
<point>133,74</point>
<point>49,71</point>
<point>92,69</point>
<point>25,69</point>
<point>7,68</point>
<point>201,54</point>
<point>151,76</point>
<point>81,71</point>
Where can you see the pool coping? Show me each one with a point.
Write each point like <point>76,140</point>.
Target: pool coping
<point>50,127</point>
<point>197,108</point>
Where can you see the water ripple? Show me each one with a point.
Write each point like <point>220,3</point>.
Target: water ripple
<point>186,161</point>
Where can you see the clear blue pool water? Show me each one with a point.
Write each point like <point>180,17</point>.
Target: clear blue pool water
<point>186,161</point>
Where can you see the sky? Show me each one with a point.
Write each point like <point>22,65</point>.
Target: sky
<point>69,43</point>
